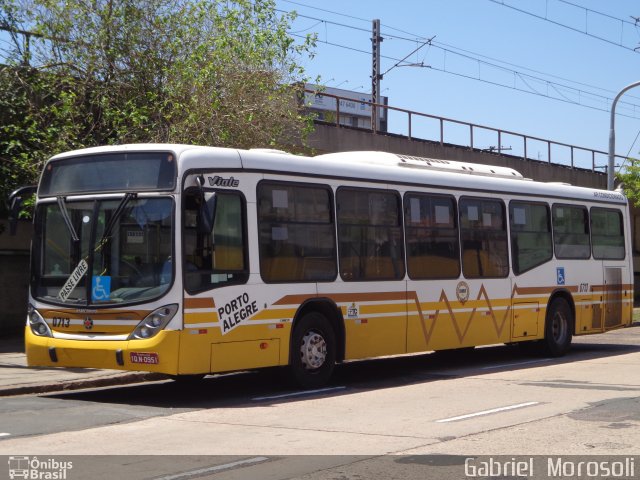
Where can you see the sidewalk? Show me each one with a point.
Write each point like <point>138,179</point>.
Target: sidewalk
<point>18,379</point>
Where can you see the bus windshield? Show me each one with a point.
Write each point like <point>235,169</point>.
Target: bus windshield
<point>102,252</point>
<point>115,172</point>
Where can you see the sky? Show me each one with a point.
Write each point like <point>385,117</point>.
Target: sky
<point>543,68</point>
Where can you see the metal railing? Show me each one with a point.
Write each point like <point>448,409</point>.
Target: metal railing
<point>596,159</point>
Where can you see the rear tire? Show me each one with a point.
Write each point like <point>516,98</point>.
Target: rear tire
<point>558,328</point>
<point>312,351</point>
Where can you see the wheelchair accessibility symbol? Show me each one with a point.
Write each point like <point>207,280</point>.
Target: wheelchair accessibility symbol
<point>560,275</point>
<point>100,288</point>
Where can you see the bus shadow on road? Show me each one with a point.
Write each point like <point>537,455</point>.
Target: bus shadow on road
<point>405,370</point>
<point>270,386</point>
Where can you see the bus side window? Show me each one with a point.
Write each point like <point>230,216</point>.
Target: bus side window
<point>296,232</point>
<point>607,234</point>
<point>370,234</point>
<point>433,249</point>
<point>571,232</point>
<point>484,238</point>
<point>530,235</point>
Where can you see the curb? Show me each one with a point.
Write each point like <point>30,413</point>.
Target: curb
<point>69,385</point>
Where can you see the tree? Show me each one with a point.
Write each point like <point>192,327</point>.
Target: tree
<point>38,117</point>
<point>117,71</point>
<point>630,181</point>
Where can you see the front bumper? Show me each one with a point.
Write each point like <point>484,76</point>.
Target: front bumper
<point>157,354</point>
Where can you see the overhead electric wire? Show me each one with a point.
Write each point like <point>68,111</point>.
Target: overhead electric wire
<point>340,14</point>
<point>397,64</point>
<point>586,9</point>
<point>532,77</point>
<point>627,156</point>
<point>528,69</point>
<point>309,17</point>
<point>584,32</point>
<point>452,49</point>
<point>325,10</point>
<point>531,90</point>
<point>468,55</point>
<point>308,28</point>
<point>419,38</point>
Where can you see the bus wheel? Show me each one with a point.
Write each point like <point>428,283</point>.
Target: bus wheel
<point>557,328</point>
<point>313,351</point>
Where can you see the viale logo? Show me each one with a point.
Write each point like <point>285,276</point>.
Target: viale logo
<point>223,182</point>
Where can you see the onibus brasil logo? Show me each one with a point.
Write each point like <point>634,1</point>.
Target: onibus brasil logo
<point>36,469</point>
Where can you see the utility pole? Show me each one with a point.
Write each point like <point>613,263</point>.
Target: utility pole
<point>376,39</point>
<point>612,136</point>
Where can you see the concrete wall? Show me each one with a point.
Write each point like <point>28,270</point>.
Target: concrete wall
<point>329,138</point>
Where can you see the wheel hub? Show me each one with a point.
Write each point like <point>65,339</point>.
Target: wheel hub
<point>313,351</point>
<point>559,327</point>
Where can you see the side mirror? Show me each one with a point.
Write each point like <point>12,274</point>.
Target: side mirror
<point>207,210</point>
<point>16,202</point>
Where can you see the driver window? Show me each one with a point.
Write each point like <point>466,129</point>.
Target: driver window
<point>216,258</point>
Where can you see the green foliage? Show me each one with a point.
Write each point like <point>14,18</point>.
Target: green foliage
<point>630,180</point>
<point>37,118</point>
<point>211,72</point>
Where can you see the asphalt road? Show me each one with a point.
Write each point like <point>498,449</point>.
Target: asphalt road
<point>416,416</point>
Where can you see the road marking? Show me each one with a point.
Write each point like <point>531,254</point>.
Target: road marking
<point>298,394</point>
<point>216,468</point>
<point>487,412</point>
<point>516,364</point>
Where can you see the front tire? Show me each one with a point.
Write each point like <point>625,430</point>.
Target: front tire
<point>558,328</point>
<point>313,351</point>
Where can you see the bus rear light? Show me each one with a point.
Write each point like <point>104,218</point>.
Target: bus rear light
<point>154,322</point>
<point>37,324</point>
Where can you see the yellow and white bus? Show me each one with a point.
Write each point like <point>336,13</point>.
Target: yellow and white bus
<point>193,260</point>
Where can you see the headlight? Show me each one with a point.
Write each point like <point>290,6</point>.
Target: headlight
<point>154,322</point>
<point>37,323</point>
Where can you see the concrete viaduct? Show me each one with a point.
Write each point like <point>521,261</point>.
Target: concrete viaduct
<point>330,138</point>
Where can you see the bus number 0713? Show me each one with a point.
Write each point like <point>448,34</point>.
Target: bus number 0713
<point>61,322</point>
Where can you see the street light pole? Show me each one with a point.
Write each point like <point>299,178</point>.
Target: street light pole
<point>612,136</point>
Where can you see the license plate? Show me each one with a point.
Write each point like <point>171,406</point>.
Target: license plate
<point>148,358</point>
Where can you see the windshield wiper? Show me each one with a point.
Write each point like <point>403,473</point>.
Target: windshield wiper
<point>67,219</point>
<point>116,215</point>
